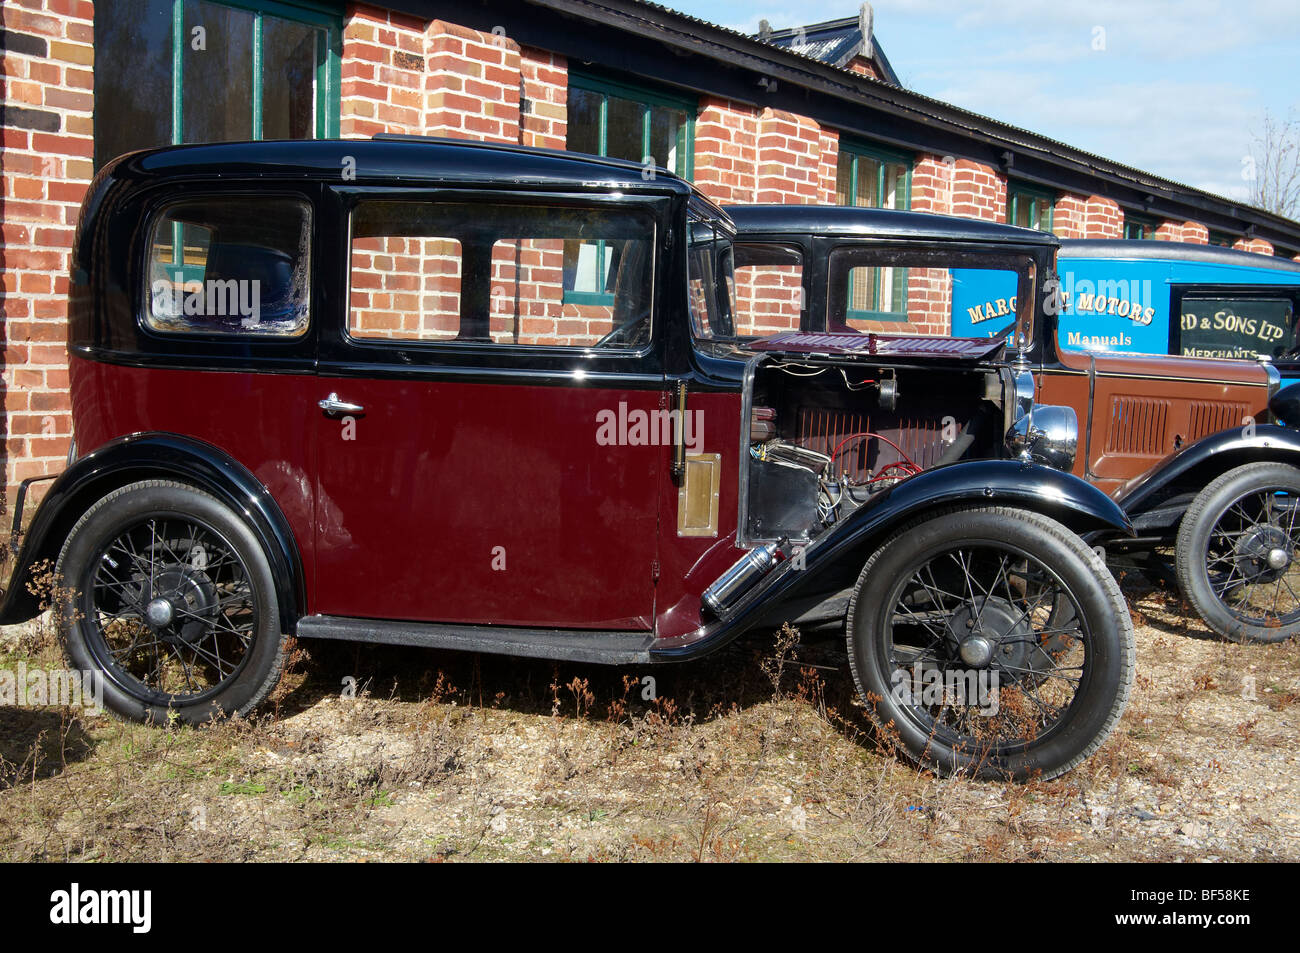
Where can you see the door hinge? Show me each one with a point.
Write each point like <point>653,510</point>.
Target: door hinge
<point>679,441</point>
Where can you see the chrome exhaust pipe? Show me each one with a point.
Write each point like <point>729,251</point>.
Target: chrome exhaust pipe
<point>720,597</point>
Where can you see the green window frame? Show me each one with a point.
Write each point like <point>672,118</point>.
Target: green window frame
<point>329,77</point>
<point>607,87</point>
<point>1140,227</point>
<point>1038,204</point>
<point>853,153</point>
<point>329,68</point>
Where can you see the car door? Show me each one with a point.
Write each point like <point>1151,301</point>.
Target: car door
<point>487,451</point>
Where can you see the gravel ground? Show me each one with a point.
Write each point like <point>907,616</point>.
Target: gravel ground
<point>449,757</point>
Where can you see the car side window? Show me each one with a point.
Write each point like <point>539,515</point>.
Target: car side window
<point>512,274</point>
<point>1242,327</point>
<point>230,265</point>
<point>769,289</point>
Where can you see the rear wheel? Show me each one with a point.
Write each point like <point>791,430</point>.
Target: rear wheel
<point>167,595</point>
<point>991,642</point>
<point>1236,553</point>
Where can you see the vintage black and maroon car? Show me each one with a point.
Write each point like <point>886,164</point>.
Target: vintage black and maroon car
<point>486,398</point>
<point>1180,442</point>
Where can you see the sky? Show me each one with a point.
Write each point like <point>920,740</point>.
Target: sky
<point>1178,89</point>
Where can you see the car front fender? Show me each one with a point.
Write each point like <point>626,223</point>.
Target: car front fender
<point>834,560</point>
<point>153,456</point>
<point>1195,465</point>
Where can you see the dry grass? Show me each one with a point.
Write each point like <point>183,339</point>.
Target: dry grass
<point>760,753</point>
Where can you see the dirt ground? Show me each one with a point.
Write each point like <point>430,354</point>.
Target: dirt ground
<point>438,756</point>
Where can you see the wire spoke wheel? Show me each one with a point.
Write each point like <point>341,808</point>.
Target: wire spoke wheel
<point>1236,553</point>
<point>987,646</point>
<point>171,605</point>
<point>1250,558</point>
<point>992,642</point>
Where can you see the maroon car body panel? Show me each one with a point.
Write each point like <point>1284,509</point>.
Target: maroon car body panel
<point>445,483</point>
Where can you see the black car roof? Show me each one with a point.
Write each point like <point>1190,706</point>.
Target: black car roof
<point>1172,251</point>
<point>418,159</point>
<point>844,220</point>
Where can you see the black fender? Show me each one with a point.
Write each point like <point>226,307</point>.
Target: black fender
<point>1285,405</point>
<point>833,561</point>
<point>1156,500</point>
<point>154,456</point>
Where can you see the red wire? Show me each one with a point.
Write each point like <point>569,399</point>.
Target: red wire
<point>839,446</point>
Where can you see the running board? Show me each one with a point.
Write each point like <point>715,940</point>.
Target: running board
<point>602,648</point>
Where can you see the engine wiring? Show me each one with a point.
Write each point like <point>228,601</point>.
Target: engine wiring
<point>906,463</point>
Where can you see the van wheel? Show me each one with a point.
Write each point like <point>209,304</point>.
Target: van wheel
<point>991,642</point>
<point>165,594</point>
<point>1236,553</point>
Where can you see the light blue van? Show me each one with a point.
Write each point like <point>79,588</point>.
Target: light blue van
<point>1148,297</point>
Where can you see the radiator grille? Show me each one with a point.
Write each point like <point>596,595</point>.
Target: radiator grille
<point>822,430</point>
<point>1139,427</point>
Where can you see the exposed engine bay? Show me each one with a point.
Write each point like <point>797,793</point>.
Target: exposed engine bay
<point>825,435</point>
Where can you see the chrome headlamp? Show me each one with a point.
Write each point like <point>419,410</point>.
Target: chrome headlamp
<point>1042,433</point>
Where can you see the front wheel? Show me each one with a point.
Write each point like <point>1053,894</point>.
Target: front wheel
<point>1236,553</point>
<point>991,642</point>
<point>166,595</point>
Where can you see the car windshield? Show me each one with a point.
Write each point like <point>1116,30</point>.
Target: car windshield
<point>929,293</point>
<point>711,282</point>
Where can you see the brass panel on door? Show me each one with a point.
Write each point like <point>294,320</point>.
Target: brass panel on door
<point>697,497</point>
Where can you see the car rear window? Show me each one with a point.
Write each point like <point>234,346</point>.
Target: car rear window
<point>230,265</point>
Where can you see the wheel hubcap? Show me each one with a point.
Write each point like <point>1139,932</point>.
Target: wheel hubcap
<point>159,613</point>
<point>976,651</point>
<point>993,631</point>
<point>1263,554</point>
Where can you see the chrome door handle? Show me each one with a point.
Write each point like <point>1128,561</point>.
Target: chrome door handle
<point>332,405</point>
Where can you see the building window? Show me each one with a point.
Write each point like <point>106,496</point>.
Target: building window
<point>1140,227</point>
<point>1029,207</point>
<point>1222,239</point>
<point>206,71</point>
<point>871,178</point>
<point>621,121</point>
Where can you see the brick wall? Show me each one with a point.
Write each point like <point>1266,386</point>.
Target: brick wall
<point>1169,232</point>
<point>789,165</point>
<point>1102,218</point>
<point>383,73</point>
<point>726,138</point>
<point>1069,216</point>
<point>933,179</point>
<point>979,191</point>
<point>406,74</point>
<point>45,166</point>
<point>544,108</point>
<point>472,84</point>
<point>1257,245</point>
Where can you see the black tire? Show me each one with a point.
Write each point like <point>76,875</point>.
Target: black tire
<point>166,595</point>
<point>1038,597</point>
<point>1224,544</point>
